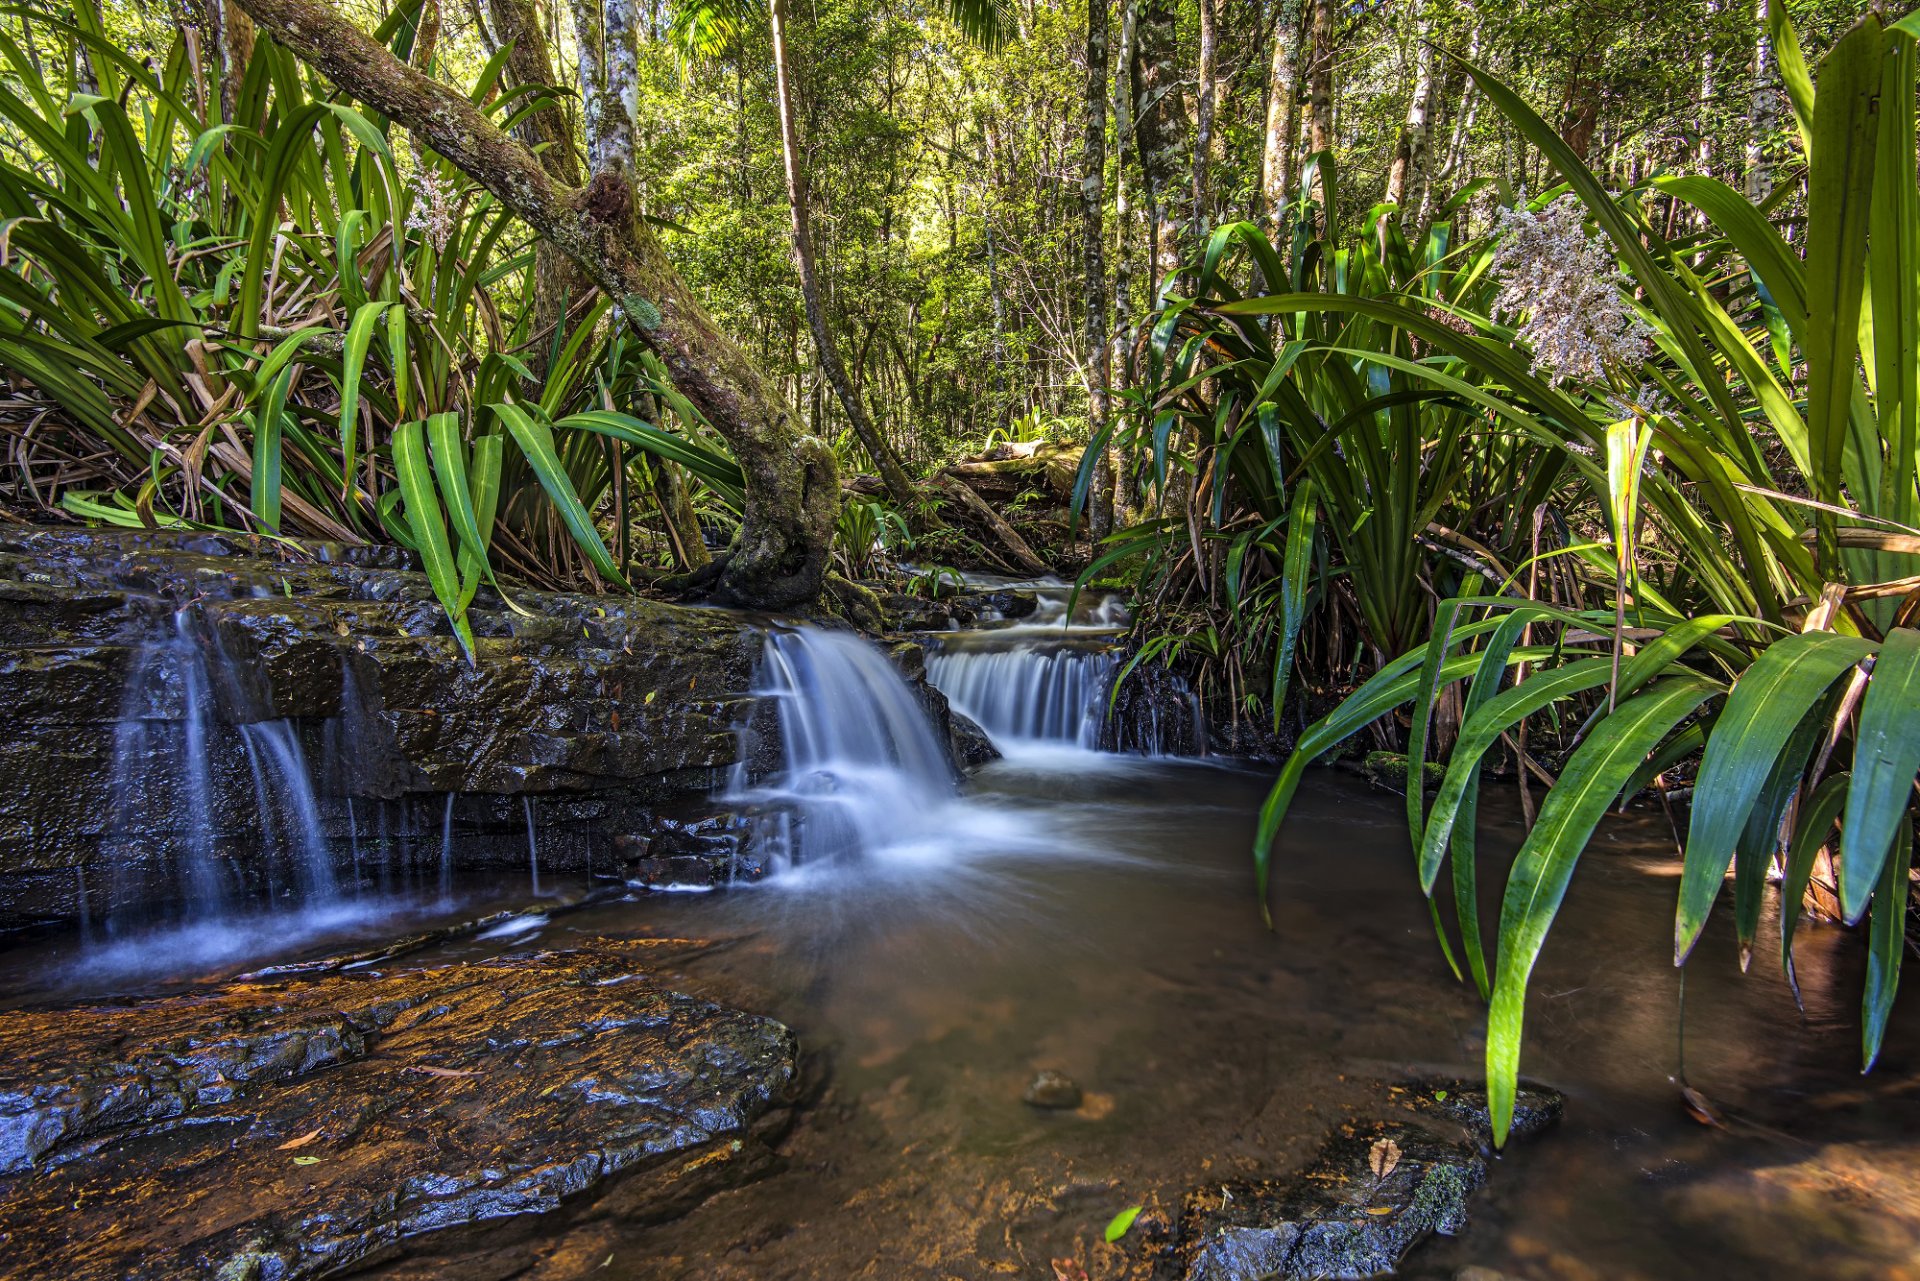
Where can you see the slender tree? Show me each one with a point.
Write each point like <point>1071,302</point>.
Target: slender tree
<point>1320,85</point>
<point>1206,94</point>
<point>1763,107</point>
<point>557,283</point>
<point>1282,139</point>
<point>1093,170</point>
<point>826,349</point>
<point>1408,171</point>
<point>1160,126</point>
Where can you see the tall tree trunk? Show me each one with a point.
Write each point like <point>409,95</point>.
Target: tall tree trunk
<point>235,45</point>
<point>825,348</point>
<point>1466,110</point>
<point>1320,86</point>
<point>557,282</point>
<point>1709,89</point>
<point>1763,108</point>
<point>1283,115</point>
<point>1093,169</point>
<point>1160,125</point>
<point>603,35</point>
<point>1408,171</point>
<point>1124,145</point>
<point>1205,93</point>
<point>620,63</point>
<point>779,557</point>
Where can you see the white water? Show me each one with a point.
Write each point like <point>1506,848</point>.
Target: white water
<point>1029,693</point>
<point>867,800</point>
<point>164,814</point>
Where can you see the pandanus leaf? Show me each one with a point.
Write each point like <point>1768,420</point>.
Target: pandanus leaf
<point>426,521</point>
<point>1769,700</point>
<point>1886,757</point>
<point>1810,835</point>
<point>1588,784</point>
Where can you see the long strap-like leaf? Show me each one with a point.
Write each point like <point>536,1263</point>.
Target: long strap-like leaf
<point>1768,701</point>
<point>1886,757</point>
<point>1588,783</point>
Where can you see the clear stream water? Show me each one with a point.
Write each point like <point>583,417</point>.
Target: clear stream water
<point>1094,914</point>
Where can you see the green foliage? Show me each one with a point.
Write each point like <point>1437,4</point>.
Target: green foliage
<point>301,326</point>
<point>1780,487</point>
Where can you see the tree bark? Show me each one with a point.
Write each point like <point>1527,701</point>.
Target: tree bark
<point>1160,126</point>
<point>557,281</point>
<point>1283,116</point>
<point>826,349</point>
<point>1408,171</point>
<point>1320,86</point>
<point>1763,108</point>
<point>236,51</point>
<point>1093,170</point>
<point>1124,145</point>
<point>1205,93</point>
<point>779,557</point>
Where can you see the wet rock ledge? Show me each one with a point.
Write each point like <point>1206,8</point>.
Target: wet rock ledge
<point>602,721</point>
<point>277,1130</point>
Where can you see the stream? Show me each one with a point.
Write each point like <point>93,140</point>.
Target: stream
<point>933,945</point>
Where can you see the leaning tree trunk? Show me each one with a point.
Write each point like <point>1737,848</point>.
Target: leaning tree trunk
<point>792,494</point>
<point>892,474</point>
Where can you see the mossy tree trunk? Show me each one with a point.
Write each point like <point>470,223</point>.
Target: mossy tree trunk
<point>780,556</point>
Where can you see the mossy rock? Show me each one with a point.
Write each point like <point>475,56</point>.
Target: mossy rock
<point>1388,770</point>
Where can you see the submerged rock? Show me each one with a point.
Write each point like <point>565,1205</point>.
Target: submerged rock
<point>1053,1090</point>
<point>1367,1198</point>
<point>303,1127</point>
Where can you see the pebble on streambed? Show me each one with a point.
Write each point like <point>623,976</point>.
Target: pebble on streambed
<point>1053,1091</point>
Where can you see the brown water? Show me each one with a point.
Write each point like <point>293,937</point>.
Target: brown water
<point>1094,915</point>
<point>1118,942</point>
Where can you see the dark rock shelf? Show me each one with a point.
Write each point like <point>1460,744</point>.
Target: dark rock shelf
<point>297,1128</point>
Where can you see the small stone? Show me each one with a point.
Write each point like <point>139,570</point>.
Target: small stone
<point>1053,1090</point>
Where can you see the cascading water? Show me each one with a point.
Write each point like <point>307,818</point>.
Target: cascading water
<point>168,746</point>
<point>862,769</point>
<point>1032,693</point>
<point>1046,681</point>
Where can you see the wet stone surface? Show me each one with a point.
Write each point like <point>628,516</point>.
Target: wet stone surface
<point>1374,1191</point>
<point>593,718</point>
<point>303,1127</point>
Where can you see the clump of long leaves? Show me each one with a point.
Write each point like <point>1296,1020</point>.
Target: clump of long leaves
<point>301,322</point>
<point>1306,451</point>
<point>1775,473</point>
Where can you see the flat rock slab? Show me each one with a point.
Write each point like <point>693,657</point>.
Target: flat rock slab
<point>1372,1193</point>
<point>302,1127</point>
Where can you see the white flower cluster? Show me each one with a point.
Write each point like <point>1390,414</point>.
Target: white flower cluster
<point>1564,280</point>
<point>434,205</point>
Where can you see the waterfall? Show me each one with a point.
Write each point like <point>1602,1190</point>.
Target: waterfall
<point>168,746</point>
<point>446,853</point>
<point>862,769</point>
<point>1032,693</point>
<point>533,845</point>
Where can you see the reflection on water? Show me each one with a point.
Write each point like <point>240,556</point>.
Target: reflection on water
<point>1094,915</point>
